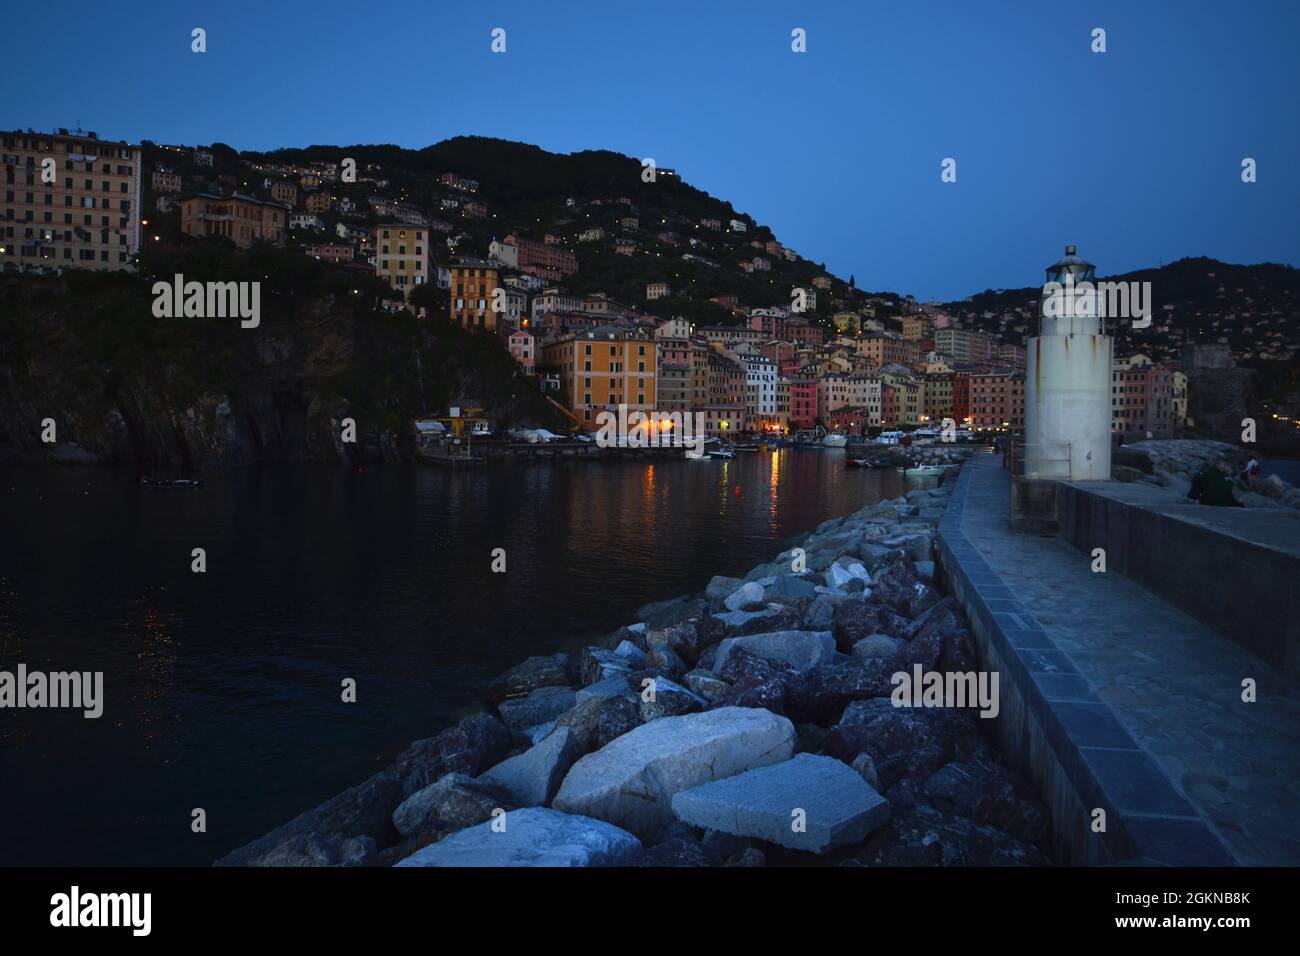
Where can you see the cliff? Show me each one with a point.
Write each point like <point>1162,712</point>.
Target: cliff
<point>121,385</point>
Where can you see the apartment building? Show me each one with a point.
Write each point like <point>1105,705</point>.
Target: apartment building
<point>81,209</point>
<point>243,220</point>
<point>472,284</point>
<point>603,368</point>
<point>402,255</point>
<point>997,400</point>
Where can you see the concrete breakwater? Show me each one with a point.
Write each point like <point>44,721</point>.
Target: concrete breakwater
<point>755,722</point>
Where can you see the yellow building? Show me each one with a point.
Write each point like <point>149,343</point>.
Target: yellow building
<point>603,368</point>
<point>241,219</point>
<point>916,326</point>
<point>402,256</point>
<point>79,210</point>
<point>473,284</point>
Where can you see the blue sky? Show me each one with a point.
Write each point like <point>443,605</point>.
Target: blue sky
<point>1134,154</point>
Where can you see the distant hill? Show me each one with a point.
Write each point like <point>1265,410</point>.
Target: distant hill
<point>1255,309</point>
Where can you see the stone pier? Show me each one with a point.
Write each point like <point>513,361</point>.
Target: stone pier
<point>1117,700</point>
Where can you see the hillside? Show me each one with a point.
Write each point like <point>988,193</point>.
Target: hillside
<point>182,394</point>
<point>532,192</point>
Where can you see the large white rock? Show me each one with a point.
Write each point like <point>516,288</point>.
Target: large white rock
<point>811,803</point>
<point>532,837</point>
<point>631,781</point>
<point>748,597</point>
<point>802,650</point>
<point>845,570</point>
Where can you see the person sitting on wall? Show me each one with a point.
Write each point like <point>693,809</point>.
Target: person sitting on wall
<point>1249,472</point>
<point>1212,486</point>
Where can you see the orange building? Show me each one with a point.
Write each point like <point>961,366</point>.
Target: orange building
<point>242,219</point>
<point>603,368</point>
<point>473,282</point>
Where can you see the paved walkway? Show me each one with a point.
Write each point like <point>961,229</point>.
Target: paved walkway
<point>1172,683</point>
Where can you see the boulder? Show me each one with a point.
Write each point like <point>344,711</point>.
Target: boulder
<point>789,587</point>
<point>819,615</point>
<point>855,620</point>
<point>688,638</point>
<point>900,588</point>
<point>922,836</point>
<point>778,618</point>
<point>706,684</point>
<point>748,597</point>
<point>864,765</point>
<point>847,569</point>
<point>662,614</point>
<point>596,664</point>
<point>877,646</point>
<point>904,742</point>
<point>453,802</point>
<point>1271,486</point>
<point>821,694</point>
<point>598,720</point>
<point>533,836</point>
<point>533,673</point>
<point>664,660</point>
<point>631,781</point>
<point>473,745</point>
<point>669,700</point>
<point>733,620</point>
<point>318,837</point>
<point>676,852</point>
<point>984,791</point>
<point>720,587</point>
<point>802,650</point>
<point>634,655</point>
<point>616,686</point>
<point>755,682</point>
<point>533,776</point>
<point>539,707</point>
<point>808,803</point>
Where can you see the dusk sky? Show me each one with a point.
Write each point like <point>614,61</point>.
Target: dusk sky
<point>1134,154</point>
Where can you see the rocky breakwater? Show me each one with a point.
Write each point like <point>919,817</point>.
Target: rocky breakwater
<point>1172,463</point>
<point>749,724</point>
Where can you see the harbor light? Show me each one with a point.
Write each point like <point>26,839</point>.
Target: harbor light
<point>1067,380</point>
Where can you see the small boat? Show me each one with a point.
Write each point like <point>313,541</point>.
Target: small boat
<point>835,441</point>
<point>922,471</point>
<point>723,452</point>
<point>170,482</point>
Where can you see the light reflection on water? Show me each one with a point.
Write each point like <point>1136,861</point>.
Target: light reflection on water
<point>222,690</point>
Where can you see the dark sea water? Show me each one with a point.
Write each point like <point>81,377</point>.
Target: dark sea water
<point>222,690</point>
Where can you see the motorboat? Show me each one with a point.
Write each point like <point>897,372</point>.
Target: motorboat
<point>922,471</point>
<point>835,441</point>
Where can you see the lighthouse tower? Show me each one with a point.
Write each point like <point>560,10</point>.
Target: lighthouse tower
<point>1067,382</point>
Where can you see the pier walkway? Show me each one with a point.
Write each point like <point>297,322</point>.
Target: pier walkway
<point>1120,700</point>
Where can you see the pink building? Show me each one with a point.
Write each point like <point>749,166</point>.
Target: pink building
<point>803,403</point>
<point>331,252</point>
<point>523,346</point>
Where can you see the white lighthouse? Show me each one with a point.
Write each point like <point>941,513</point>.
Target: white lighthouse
<point>1068,379</point>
